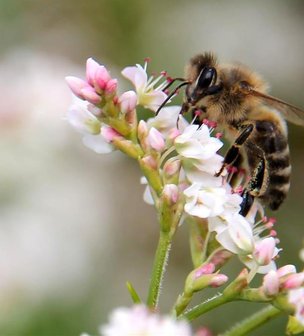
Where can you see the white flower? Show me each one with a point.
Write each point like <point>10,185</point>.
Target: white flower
<point>198,152</point>
<point>96,135</point>
<point>166,120</point>
<point>196,143</point>
<point>236,236</point>
<point>296,298</point>
<point>204,202</point>
<point>147,96</point>
<point>139,321</point>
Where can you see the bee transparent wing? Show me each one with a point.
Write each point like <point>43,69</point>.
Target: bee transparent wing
<point>288,111</point>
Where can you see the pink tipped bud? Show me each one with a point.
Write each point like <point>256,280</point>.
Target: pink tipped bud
<point>294,281</point>
<point>287,269</point>
<point>76,85</point>
<point>264,252</point>
<point>205,269</point>
<point>110,90</point>
<point>218,280</point>
<point>271,283</point>
<point>172,168</point>
<point>92,67</point>
<point>156,140</point>
<point>171,193</point>
<point>102,77</point>
<point>173,133</point>
<point>142,129</point>
<point>203,331</point>
<point>127,101</point>
<point>149,162</point>
<point>109,133</point>
<point>90,95</point>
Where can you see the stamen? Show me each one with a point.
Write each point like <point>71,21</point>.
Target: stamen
<point>147,60</point>
<point>163,73</point>
<point>273,233</point>
<point>218,135</point>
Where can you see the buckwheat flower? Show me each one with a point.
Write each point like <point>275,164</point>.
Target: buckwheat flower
<point>206,202</point>
<point>296,298</point>
<point>96,136</point>
<point>166,120</point>
<point>196,143</point>
<point>236,236</point>
<point>139,321</point>
<point>147,96</point>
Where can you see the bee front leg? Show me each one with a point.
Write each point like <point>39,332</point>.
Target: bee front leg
<point>234,150</point>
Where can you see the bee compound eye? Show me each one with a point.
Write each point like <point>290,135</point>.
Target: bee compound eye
<point>205,78</point>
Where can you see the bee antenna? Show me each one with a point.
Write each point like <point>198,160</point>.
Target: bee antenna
<point>171,95</point>
<point>172,81</point>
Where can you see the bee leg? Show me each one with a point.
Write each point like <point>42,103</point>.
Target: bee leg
<point>234,150</point>
<point>246,202</point>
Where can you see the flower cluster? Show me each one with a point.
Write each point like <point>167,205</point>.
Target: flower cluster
<point>180,163</point>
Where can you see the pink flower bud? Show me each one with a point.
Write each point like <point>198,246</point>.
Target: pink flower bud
<point>109,133</point>
<point>205,269</point>
<point>76,85</point>
<point>90,95</point>
<point>156,140</point>
<point>102,77</point>
<point>91,69</point>
<point>294,281</point>
<point>287,269</point>
<point>127,101</point>
<point>110,90</point>
<point>172,168</point>
<point>203,331</point>
<point>142,129</point>
<point>149,162</point>
<point>271,283</point>
<point>264,252</point>
<point>218,280</point>
<point>171,192</point>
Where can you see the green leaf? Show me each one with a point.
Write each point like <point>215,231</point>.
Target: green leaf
<point>133,293</point>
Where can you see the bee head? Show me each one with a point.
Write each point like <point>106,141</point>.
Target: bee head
<point>202,74</point>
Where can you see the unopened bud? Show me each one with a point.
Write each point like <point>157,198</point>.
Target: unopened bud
<point>109,133</point>
<point>287,269</point>
<point>218,280</point>
<point>156,140</point>
<point>171,193</point>
<point>91,68</point>
<point>110,90</point>
<point>294,281</point>
<point>149,167</point>
<point>90,95</point>
<point>271,283</point>
<point>203,270</point>
<point>127,101</point>
<point>264,252</point>
<point>102,77</point>
<point>171,171</point>
<point>76,85</point>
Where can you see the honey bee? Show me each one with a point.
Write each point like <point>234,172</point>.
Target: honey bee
<point>236,98</point>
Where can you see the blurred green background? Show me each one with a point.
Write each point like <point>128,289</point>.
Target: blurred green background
<point>74,227</point>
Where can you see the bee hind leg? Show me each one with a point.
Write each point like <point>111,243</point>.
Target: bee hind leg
<point>255,186</point>
<point>233,152</point>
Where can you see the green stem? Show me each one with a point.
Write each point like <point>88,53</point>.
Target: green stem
<point>204,307</point>
<point>160,261</point>
<point>253,322</point>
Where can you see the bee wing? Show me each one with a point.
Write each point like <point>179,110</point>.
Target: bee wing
<point>288,111</point>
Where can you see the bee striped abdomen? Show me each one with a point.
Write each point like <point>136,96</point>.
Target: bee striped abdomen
<point>273,142</point>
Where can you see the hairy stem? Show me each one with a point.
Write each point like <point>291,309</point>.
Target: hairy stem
<point>253,322</point>
<point>204,307</point>
<point>159,266</point>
